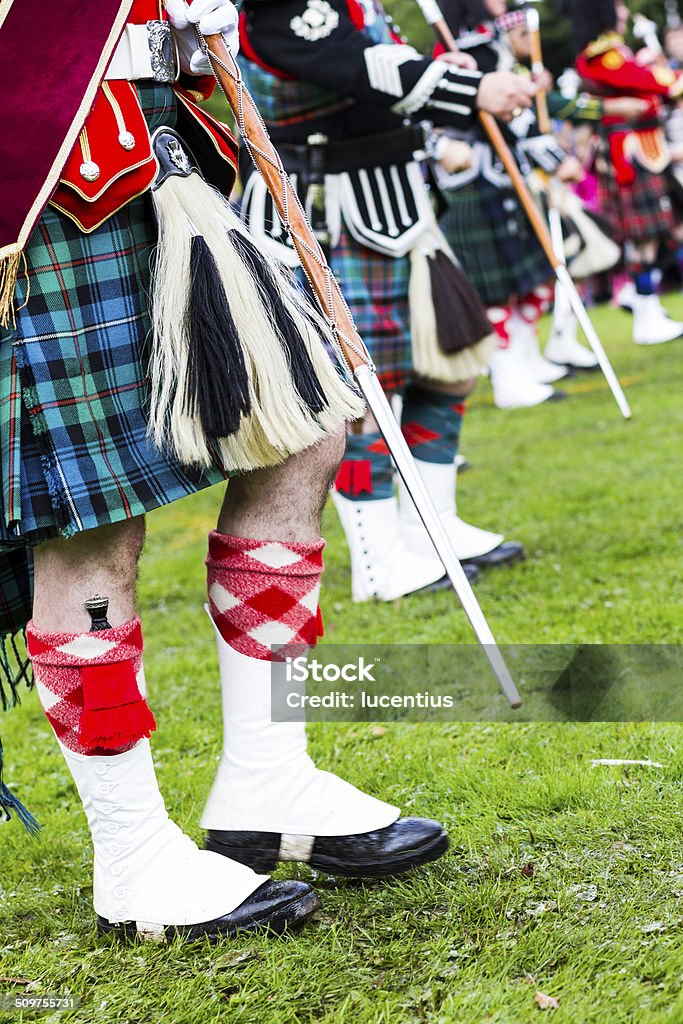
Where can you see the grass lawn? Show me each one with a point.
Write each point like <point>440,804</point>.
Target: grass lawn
<point>562,878</point>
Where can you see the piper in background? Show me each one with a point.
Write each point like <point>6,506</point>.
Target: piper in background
<point>633,155</point>
<point>486,225</point>
<point>338,69</point>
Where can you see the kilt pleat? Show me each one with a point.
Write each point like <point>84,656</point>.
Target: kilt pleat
<point>376,290</point>
<point>489,232</point>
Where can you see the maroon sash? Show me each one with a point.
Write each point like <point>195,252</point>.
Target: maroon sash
<point>52,60</point>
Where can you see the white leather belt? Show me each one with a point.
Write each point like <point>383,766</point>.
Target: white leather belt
<point>145,51</point>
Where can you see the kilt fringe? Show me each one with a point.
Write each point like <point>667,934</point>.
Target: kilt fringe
<point>293,394</point>
<point>15,669</point>
<point>9,805</point>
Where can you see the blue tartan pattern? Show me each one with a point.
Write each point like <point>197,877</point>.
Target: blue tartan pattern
<point>74,452</point>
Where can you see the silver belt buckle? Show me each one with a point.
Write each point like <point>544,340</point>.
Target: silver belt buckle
<point>162,52</point>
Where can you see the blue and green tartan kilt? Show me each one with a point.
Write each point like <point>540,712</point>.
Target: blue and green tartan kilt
<point>74,452</point>
<point>376,290</point>
<point>491,236</point>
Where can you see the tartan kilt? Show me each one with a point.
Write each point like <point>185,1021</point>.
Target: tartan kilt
<point>74,452</point>
<point>639,212</point>
<point>376,290</point>
<point>489,232</point>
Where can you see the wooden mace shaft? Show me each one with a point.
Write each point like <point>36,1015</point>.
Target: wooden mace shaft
<point>288,206</point>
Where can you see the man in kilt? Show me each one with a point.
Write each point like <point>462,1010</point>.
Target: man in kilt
<point>344,100</point>
<point>633,155</point>
<point>487,227</point>
<point>95,352</point>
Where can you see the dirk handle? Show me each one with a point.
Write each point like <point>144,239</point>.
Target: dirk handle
<point>257,140</point>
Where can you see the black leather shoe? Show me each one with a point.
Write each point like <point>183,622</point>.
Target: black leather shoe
<point>407,843</point>
<point>507,553</point>
<point>274,907</point>
<point>444,583</point>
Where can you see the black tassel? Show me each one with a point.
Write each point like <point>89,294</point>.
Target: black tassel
<point>461,319</point>
<point>217,380</point>
<point>303,372</point>
<point>9,804</point>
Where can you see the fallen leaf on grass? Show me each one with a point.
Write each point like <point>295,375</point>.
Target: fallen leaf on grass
<point>536,909</point>
<point>378,730</point>
<point>15,981</point>
<point>615,762</point>
<point>587,893</point>
<point>545,1002</point>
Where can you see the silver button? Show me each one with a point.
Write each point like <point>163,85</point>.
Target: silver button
<point>127,140</point>
<point>89,170</point>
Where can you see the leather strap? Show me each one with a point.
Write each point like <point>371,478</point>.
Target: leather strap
<point>399,146</point>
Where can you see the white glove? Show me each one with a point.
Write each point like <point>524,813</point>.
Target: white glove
<point>210,17</point>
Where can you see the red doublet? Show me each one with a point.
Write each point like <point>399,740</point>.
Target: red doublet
<point>609,68</point>
<point>115,142</point>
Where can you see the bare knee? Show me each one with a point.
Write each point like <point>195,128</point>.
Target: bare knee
<point>284,502</point>
<point>330,455</point>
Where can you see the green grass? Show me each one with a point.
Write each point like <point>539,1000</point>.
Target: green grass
<point>561,878</point>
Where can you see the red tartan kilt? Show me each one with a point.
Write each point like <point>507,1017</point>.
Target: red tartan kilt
<point>639,212</point>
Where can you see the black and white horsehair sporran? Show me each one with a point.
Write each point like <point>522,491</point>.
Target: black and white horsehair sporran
<point>240,373</point>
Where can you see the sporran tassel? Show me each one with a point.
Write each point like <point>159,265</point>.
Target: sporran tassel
<point>203,407</point>
<point>218,385</point>
<point>301,365</point>
<point>461,319</point>
<point>444,314</point>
